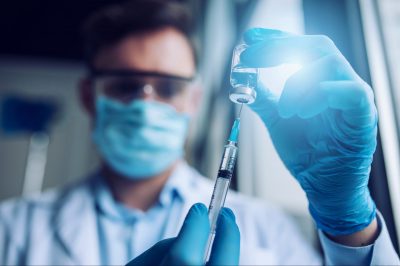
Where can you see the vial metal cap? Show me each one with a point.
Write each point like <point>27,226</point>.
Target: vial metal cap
<point>242,94</point>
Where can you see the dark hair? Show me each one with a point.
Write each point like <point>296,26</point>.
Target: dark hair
<point>115,22</point>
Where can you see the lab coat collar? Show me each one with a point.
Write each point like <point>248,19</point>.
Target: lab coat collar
<point>183,181</point>
<point>108,206</point>
<point>76,224</point>
<point>175,187</point>
<point>179,183</point>
<point>75,219</point>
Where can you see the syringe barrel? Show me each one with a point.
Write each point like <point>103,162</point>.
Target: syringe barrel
<point>221,186</point>
<point>228,161</point>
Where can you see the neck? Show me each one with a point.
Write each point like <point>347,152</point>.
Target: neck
<point>139,194</point>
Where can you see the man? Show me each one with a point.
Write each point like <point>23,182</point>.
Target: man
<point>140,97</point>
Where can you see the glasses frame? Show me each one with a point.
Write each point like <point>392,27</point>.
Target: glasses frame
<point>99,73</point>
<point>94,73</point>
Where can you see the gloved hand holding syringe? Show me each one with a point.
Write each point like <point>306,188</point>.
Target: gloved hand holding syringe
<point>243,81</point>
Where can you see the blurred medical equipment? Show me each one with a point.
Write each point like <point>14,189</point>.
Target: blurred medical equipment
<point>243,79</point>
<point>20,115</point>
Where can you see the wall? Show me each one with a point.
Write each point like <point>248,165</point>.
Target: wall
<point>70,155</point>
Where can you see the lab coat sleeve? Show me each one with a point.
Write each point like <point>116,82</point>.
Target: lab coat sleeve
<point>381,252</point>
<point>277,238</point>
<point>291,245</point>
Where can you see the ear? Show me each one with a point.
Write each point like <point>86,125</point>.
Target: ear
<point>86,96</point>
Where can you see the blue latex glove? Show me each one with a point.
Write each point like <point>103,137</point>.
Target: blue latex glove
<point>188,248</point>
<point>323,126</point>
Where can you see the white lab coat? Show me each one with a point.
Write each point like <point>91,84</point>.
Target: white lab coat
<point>59,227</point>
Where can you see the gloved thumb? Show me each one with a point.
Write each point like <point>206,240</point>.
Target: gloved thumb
<point>265,105</point>
<point>190,244</point>
<point>226,247</point>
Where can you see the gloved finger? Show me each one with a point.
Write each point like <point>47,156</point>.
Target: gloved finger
<point>255,35</point>
<point>302,88</point>
<point>355,98</point>
<point>345,95</point>
<point>154,255</point>
<point>190,244</point>
<point>275,51</point>
<point>226,247</point>
<point>265,104</point>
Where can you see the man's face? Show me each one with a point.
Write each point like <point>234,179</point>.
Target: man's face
<point>164,51</point>
<point>153,66</point>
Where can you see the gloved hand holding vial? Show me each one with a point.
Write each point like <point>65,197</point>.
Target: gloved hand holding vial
<point>323,126</point>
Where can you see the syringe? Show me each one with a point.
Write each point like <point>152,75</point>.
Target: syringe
<point>221,186</point>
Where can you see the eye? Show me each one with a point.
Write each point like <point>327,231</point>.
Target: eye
<point>121,89</point>
<point>169,88</point>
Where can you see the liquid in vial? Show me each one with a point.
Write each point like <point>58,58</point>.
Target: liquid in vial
<point>243,79</point>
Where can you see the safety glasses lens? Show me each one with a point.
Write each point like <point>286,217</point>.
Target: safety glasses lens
<point>126,89</point>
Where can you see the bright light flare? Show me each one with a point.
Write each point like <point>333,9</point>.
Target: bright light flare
<point>274,78</point>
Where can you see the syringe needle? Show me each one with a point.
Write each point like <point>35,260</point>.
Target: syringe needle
<point>240,111</point>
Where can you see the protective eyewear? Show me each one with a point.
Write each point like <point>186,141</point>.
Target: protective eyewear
<point>127,85</point>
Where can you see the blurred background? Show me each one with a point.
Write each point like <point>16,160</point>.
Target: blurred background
<point>45,139</point>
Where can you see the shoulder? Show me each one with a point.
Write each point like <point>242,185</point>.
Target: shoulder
<point>19,210</point>
<point>26,221</point>
<point>15,208</point>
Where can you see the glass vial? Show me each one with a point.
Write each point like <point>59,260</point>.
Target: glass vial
<point>243,79</point>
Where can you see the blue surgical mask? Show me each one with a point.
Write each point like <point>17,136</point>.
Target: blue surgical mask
<point>140,139</point>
